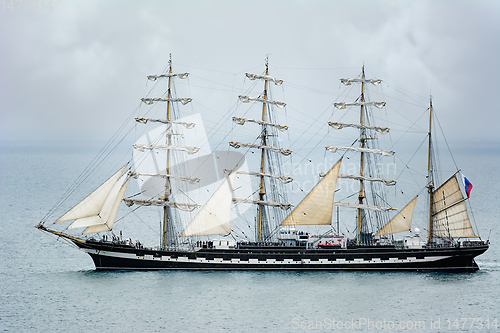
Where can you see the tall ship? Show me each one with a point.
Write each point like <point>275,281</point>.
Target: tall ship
<point>281,238</point>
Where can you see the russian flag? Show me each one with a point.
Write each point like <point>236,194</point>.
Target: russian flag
<point>467,185</point>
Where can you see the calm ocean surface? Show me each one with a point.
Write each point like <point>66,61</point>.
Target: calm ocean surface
<point>47,286</point>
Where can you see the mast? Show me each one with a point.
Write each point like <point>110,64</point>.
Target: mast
<point>267,130</point>
<point>262,157</point>
<point>363,149</point>
<point>338,223</point>
<point>163,198</point>
<point>169,142</point>
<point>362,145</point>
<point>430,178</point>
<point>448,216</point>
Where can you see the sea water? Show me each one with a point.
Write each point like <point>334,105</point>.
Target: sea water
<point>48,286</point>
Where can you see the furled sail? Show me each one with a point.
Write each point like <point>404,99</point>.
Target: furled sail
<point>283,179</point>
<point>188,207</point>
<point>237,145</point>
<point>362,206</point>
<point>143,147</point>
<point>164,121</point>
<point>388,182</point>
<point>363,150</point>
<point>247,99</point>
<point>281,205</point>
<point>93,205</point>
<point>241,121</point>
<point>401,222</point>
<point>179,75</point>
<point>150,101</point>
<point>348,82</point>
<point>215,217</point>
<point>190,180</point>
<point>381,130</point>
<point>449,212</point>
<point>343,105</point>
<point>317,207</point>
<point>264,77</point>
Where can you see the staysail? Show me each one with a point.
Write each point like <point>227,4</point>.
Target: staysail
<point>215,217</point>
<point>110,221</point>
<point>100,207</point>
<point>401,222</point>
<point>317,206</point>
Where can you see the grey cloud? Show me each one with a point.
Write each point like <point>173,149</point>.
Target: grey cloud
<point>71,72</point>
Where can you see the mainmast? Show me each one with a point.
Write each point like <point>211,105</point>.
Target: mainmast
<point>362,140</point>
<point>263,146</point>
<point>169,142</point>
<point>362,149</point>
<point>262,192</point>
<point>430,176</point>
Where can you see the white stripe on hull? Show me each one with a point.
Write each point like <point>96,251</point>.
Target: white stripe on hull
<point>305,262</point>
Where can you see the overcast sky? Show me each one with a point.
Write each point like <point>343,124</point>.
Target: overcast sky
<point>68,72</point>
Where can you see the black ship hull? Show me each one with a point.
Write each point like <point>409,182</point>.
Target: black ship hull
<point>112,256</point>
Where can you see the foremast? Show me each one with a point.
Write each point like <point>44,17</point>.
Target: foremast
<point>264,147</point>
<point>165,200</point>
<point>363,149</point>
<point>167,172</point>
